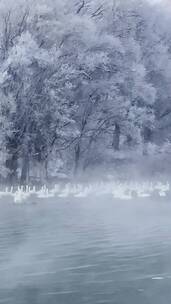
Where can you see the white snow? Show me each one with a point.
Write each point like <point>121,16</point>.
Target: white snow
<point>117,190</point>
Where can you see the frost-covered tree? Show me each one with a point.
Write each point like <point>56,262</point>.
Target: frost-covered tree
<point>80,77</point>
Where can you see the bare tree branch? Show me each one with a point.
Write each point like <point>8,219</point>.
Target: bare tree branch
<point>81,7</point>
<point>98,12</point>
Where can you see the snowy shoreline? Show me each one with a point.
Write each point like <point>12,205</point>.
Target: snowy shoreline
<point>116,190</point>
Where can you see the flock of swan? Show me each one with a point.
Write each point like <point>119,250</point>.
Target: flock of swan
<point>117,190</point>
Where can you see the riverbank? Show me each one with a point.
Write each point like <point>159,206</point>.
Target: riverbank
<point>112,189</point>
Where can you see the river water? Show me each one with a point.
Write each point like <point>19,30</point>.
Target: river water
<point>85,251</point>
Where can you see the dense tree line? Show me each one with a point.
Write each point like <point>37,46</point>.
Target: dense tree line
<point>80,83</point>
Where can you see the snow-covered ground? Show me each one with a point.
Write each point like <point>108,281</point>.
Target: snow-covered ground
<point>117,190</point>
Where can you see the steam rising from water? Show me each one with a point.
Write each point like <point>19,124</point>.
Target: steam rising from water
<point>88,248</point>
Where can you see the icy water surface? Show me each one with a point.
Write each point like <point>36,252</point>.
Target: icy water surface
<point>85,251</point>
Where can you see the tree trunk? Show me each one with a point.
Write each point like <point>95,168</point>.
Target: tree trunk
<point>25,170</point>
<point>12,165</point>
<point>147,135</point>
<point>77,158</point>
<point>12,161</point>
<point>129,141</point>
<point>46,169</point>
<point>116,137</point>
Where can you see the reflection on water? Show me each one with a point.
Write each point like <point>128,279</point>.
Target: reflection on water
<point>84,251</point>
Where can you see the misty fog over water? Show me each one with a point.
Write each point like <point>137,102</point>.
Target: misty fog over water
<point>85,251</point>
